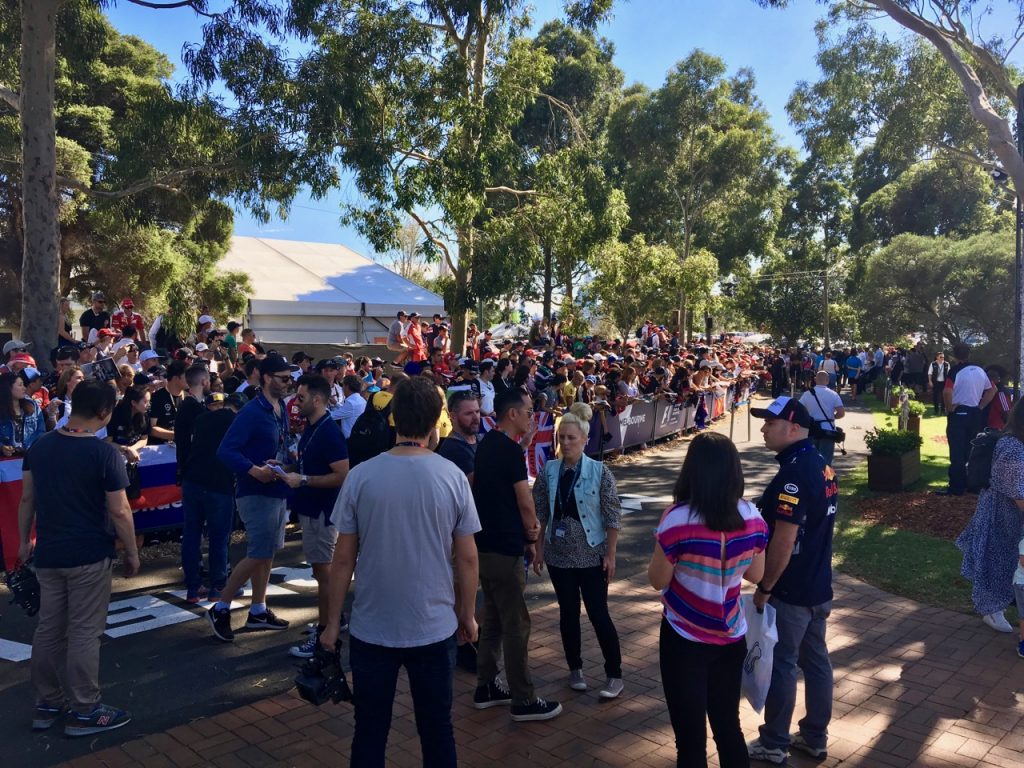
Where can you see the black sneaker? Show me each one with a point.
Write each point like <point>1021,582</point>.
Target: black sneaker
<point>538,709</point>
<point>265,620</point>
<point>46,715</point>
<point>102,718</point>
<point>494,694</point>
<point>221,623</point>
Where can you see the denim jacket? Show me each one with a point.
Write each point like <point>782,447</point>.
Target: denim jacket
<point>588,497</point>
<point>35,425</point>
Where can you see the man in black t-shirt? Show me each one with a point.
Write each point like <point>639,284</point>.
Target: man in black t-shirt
<point>95,317</point>
<point>73,495</point>
<point>510,529</point>
<point>460,446</point>
<point>163,408</point>
<point>197,381</point>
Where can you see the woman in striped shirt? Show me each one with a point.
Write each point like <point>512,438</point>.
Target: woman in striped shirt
<point>708,541</point>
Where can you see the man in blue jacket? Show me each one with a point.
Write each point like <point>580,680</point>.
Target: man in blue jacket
<point>253,445</point>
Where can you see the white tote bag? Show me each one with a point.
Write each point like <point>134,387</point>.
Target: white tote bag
<point>762,634</point>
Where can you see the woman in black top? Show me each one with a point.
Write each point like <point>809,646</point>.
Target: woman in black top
<point>129,424</point>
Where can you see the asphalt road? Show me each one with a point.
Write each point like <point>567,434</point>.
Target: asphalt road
<point>160,661</point>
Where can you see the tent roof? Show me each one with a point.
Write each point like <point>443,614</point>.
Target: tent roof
<point>321,273</point>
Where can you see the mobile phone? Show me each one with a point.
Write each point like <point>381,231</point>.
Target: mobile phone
<point>276,468</point>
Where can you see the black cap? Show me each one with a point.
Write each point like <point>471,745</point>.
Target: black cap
<point>298,357</point>
<point>785,408</point>
<point>214,397</point>
<point>471,366</point>
<point>237,399</point>
<point>272,364</point>
<point>330,362</point>
<point>143,379</point>
<point>158,371</point>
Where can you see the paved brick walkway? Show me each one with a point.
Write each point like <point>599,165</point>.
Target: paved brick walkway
<point>915,686</point>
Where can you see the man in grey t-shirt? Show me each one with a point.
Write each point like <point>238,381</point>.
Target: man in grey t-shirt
<point>404,613</point>
<point>396,337</point>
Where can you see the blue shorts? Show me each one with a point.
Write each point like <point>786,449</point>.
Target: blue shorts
<point>264,518</point>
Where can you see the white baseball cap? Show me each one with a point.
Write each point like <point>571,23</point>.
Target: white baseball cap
<point>201,347</point>
<point>204,319</point>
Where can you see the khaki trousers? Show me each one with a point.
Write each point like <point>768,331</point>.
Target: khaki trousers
<point>506,624</point>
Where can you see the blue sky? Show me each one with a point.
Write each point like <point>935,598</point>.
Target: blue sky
<point>649,37</point>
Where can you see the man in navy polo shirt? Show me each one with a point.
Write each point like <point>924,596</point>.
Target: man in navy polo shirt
<point>315,480</point>
<point>799,506</point>
<point>257,441</point>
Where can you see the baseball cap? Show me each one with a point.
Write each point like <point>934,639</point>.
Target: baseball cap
<point>127,302</point>
<point>22,357</point>
<point>201,347</point>
<point>204,319</point>
<point>272,364</point>
<point>237,399</point>
<point>143,379</point>
<point>98,296</point>
<point>471,366</point>
<point>330,362</point>
<point>298,357</point>
<point>30,374</point>
<point>785,408</point>
<point>107,332</point>
<point>158,372</point>
<point>14,344</point>
<point>149,354</point>
<point>214,397</point>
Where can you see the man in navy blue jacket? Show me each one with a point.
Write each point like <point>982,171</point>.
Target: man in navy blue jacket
<point>255,443</point>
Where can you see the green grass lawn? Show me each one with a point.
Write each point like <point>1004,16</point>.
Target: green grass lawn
<point>914,565</point>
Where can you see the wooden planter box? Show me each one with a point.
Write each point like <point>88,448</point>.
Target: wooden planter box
<point>894,473</point>
<point>914,424</point>
<point>894,401</point>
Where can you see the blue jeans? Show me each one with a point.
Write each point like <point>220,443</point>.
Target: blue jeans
<point>374,677</point>
<point>216,510</point>
<point>801,644</point>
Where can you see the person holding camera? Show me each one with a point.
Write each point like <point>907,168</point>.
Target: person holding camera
<point>404,613</point>
<point>73,492</point>
<point>825,406</point>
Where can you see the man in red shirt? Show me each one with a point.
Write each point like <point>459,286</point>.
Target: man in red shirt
<point>126,316</point>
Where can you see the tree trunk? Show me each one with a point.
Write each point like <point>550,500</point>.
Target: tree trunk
<point>548,287</point>
<point>41,261</point>
<point>461,300</point>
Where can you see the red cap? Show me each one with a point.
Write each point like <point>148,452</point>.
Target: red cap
<point>107,332</point>
<point>21,357</point>
<point>127,302</point>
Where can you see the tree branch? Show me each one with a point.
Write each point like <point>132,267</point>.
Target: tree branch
<point>428,233</point>
<point>10,98</point>
<point>1000,137</point>
<point>164,182</point>
<point>170,4</point>
<point>510,191</point>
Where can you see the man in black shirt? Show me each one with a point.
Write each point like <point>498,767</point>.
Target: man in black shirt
<point>73,496</point>
<point>207,495</point>
<point>510,529</point>
<point>163,408</point>
<point>96,317</point>
<point>460,446</point>
<point>197,379</point>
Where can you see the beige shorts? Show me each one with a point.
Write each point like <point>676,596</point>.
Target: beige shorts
<point>318,539</point>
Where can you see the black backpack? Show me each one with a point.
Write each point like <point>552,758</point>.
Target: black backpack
<point>979,460</point>
<point>371,435</point>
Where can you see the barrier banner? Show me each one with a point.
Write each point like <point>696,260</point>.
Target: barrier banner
<point>634,425</point>
<point>670,417</point>
<point>159,506</point>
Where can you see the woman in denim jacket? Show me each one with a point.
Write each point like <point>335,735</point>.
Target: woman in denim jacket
<point>578,508</point>
<point>21,418</point>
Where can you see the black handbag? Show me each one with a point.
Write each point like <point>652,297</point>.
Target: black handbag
<point>134,489</point>
<point>835,434</point>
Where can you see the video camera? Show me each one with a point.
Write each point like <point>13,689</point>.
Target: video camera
<point>322,678</point>
<point>24,588</point>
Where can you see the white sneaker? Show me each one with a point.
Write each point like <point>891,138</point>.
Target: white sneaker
<point>576,680</point>
<point>612,688</point>
<point>997,621</point>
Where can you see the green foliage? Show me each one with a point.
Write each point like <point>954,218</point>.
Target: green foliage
<point>635,281</point>
<point>120,126</point>
<point>891,442</point>
<point>699,163</point>
<point>947,289</point>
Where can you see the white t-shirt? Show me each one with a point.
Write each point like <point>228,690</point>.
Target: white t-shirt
<point>830,400</point>
<point>486,397</point>
<point>969,385</point>
<point>828,365</point>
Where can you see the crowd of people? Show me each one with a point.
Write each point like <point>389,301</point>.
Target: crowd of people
<point>272,438</point>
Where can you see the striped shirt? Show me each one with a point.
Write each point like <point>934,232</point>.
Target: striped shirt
<point>702,603</point>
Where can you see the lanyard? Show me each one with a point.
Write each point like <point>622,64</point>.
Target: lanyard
<point>303,445</point>
<point>564,496</point>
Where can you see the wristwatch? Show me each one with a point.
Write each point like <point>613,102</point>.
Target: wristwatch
<point>304,480</point>
<point>762,590</point>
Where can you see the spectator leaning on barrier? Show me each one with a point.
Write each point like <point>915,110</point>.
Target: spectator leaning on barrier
<point>404,612</point>
<point>72,493</point>
<point>257,440</point>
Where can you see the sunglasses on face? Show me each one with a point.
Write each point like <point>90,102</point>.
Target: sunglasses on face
<point>283,378</point>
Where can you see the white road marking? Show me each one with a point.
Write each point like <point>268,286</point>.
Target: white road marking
<point>632,502</point>
<point>12,651</point>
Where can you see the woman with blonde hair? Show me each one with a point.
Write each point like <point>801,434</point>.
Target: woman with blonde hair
<point>578,508</point>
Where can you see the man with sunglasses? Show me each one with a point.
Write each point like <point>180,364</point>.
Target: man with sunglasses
<point>510,530</point>
<point>95,317</point>
<point>256,443</point>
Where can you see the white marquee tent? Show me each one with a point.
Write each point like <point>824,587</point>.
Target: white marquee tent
<point>321,293</point>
